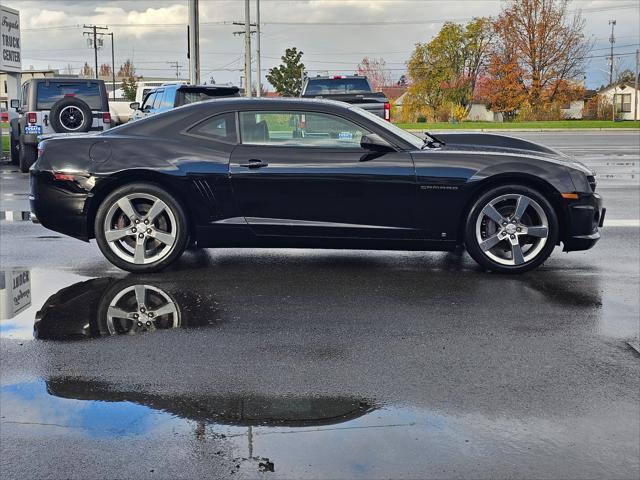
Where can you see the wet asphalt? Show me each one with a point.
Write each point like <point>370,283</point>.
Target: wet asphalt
<point>326,364</point>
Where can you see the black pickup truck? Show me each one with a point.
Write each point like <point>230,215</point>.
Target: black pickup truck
<point>350,89</point>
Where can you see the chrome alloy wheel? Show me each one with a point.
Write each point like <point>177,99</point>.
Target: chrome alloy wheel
<point>512,229</point>
<point>71,118</point>
<point>140,308</point>
<point>140,228</point>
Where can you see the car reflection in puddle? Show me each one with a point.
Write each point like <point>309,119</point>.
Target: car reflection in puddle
<point>229,426</point>
<point>105,306</point>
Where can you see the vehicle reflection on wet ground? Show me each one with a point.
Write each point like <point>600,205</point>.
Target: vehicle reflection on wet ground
<point>241,290</point>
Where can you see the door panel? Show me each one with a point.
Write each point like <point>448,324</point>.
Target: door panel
<point>329,192</point>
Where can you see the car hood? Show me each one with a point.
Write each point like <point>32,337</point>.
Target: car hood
<point>492,143</point>
<point>488,143</point>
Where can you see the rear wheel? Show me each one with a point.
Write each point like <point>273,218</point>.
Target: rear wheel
<point>511,229</point>
<point>141,228</point>
<point>27,156</point>
<point>15,150</point>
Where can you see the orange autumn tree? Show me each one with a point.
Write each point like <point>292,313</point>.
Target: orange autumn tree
<point>539,57</point>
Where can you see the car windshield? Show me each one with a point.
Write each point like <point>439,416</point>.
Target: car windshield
<point>329,86</point>
<point>414,140</point>
<point>50,92</point>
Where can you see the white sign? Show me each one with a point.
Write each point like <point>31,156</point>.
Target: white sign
<point>15,293</point>
<point>10,59</point>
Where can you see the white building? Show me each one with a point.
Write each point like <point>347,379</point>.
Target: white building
<point>623,96</point>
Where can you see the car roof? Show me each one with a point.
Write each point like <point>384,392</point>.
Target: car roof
<point>270,102</point>
<point>63,79</point>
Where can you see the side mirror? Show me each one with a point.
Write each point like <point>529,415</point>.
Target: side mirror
<point>15,103</point>
<point>134,105</point>
<point>375,143</point>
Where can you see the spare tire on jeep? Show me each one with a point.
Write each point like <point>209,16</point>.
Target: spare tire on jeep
<point>71,115</point>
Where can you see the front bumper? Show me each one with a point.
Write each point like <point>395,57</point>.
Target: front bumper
<point>59,205</point>
<point>585,217</point>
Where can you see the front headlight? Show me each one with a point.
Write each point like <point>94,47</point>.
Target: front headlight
<point>580,179</point>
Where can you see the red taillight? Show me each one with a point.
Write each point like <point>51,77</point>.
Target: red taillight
<point>338,77</point>
<point>32,117</point>
<point>387,111</point>
<point>106,117</point>
<point>63,176</point>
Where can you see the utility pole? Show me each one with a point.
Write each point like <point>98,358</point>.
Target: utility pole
<point>177,66</point>
<point>93,31</point>
<point>113,67</point>
<point>194,43</point>
<point>247,48</point>
<point>259,70</point>
<point>635,96</point>
<point>612,40</point>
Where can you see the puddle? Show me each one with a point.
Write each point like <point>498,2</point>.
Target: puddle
<point>293,437</point>
<point>58,305</point>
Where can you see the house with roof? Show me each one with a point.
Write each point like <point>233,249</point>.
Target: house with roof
<point>624,97</point>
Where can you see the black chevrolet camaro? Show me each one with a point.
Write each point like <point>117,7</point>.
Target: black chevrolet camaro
<point>310,174</point>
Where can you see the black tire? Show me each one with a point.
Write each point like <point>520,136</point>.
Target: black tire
<point>474,225</point>
<point>15,150</point>
<point>27,156</point>
<point>175,221</point>
<point>71,115</point>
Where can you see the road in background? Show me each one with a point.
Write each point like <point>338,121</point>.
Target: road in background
<point>322,363</point>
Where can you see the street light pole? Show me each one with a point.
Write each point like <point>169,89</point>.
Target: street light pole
<point>247,49</point>
<point>259,80</point>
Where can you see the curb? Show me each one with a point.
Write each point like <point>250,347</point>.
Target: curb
<point>560,130</point>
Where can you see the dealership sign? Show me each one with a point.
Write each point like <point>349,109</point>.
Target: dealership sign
<point>10,60</point>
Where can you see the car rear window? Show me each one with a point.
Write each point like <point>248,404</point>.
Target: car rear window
<point>50,92</point>
<point>187,96</point>
<point>329,86</point>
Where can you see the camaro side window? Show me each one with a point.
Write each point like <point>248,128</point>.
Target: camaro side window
<point>300,129</point>
<point>221,128</point>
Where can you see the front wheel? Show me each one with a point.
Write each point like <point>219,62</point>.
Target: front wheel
<point>511,229</point>
<point>141,228</point>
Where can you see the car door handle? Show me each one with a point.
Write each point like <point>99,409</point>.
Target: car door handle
<point>254,164</point>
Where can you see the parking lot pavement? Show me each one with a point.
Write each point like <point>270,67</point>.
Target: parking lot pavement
<point>331,364</point>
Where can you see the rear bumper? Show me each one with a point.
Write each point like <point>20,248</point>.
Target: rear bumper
<point>58,205</point>
<point>585,217</point>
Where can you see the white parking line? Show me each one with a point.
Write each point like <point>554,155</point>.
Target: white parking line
<point>621,223</point>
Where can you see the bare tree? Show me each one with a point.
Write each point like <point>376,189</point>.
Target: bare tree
<point>127,69</point>
<point>87,71</point>
<point>375,70</point>
<point>104,70</point>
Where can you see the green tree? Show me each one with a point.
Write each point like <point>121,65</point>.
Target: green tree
<point>444,71</point>
<point>130,88</point>
<point>287,77</point>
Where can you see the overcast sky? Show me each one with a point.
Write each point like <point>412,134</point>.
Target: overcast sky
<point>337,34</point>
